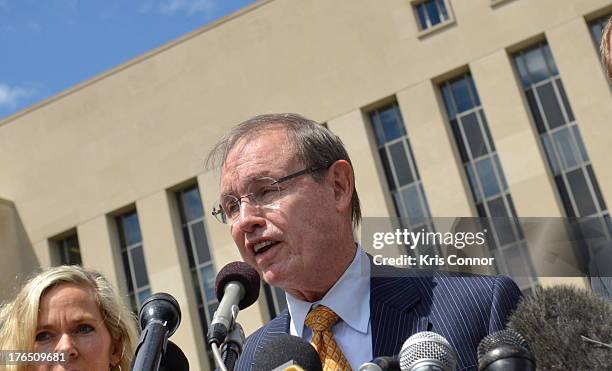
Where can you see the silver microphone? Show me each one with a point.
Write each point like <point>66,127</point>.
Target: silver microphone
<point>427,351</point>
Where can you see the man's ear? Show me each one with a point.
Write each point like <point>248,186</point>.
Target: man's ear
<point>340,176</point>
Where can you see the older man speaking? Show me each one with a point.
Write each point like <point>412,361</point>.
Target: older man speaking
<point>288,195</point>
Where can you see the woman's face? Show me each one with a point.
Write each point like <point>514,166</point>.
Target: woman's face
<point>70,322</point>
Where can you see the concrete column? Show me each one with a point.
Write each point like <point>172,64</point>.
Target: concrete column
<point>19,258</point>
<point>433,147</point>
<point>42,250</point>
<point>99,246</point>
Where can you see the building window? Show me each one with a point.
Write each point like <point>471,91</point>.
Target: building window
<point>596,26</point>
<point>431,13</point>
<point>68,250</point>
<point>199,255</point>
<point>565,151</point>
<point>487,181</point>
<point>132,255</point>
<point>400,169</point>
<point>276,299</point>
<point>559,133</point>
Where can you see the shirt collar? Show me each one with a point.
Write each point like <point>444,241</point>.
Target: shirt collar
<point>349,298</point>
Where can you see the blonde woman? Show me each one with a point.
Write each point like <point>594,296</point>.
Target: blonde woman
<point>69,313</point>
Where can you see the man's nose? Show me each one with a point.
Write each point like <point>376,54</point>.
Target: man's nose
<point>67,345</point>
<point>250,216</point>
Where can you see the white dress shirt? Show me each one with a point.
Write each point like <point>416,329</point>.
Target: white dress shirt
<point>349,298</point>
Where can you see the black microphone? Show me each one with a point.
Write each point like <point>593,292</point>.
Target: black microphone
<point>174,359</point>
<point>286,351</point>
<point>566,328</point>
<point>237,284</point>
<point>427,351</point>
<point>159,317</point>
<point>505,350</point>
<point>381,364</point>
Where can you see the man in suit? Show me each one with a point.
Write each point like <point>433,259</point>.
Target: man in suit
<point>288,194</point>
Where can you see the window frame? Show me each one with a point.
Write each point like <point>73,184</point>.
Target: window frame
<point>124,248</point>
<point>205,304</point>
<point>422,32</point>
<point>397,192</point>
<point>59,253</point>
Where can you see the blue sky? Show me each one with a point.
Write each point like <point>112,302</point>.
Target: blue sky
<point>47,46</point>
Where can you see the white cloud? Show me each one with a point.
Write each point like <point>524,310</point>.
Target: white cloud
<point>197,6</point>
<point>9,97</point>
<point>171,7</point>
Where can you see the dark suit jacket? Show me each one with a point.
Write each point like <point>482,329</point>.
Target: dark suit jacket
<point>461,308</point>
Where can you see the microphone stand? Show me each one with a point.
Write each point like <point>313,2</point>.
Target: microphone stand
<point>231,346</point>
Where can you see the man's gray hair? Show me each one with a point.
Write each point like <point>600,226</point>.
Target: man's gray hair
<point>314,145</point>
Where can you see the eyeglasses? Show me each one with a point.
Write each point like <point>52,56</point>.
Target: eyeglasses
<point>262,191</point>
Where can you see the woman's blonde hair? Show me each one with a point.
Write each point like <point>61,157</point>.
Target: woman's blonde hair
<point>19,318</point>
<point>604,47</point>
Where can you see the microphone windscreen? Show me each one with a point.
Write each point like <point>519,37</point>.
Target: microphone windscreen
<point>501,338</point>
<point>287,349</point>
<point>160,307</point>
<point>505,350</point>
<point>174,359</point>
<point>427,347</point>
<point>243,273</point>
<point>555,321</point>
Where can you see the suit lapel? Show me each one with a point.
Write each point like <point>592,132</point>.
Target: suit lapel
<point>277,326</point>
<point>393,312</point>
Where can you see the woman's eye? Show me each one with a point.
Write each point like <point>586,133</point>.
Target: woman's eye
<point>84,329</point>
<point>43,336</point>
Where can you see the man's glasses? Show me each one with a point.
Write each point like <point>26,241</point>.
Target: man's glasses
<point>261,192</point>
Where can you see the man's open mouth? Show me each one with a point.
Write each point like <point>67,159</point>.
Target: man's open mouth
<point>264,246</point>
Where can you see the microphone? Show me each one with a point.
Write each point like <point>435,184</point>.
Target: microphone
<point>174,359</point>
<point>427,351</point>
<point>505,350</point>
<point>159,317</point>
<point>237,284</point>
<point>287,352</point>
<point>381,364</point>
<point>567,328</point>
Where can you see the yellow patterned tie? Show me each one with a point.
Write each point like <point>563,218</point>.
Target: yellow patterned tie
<point>320,320</point>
